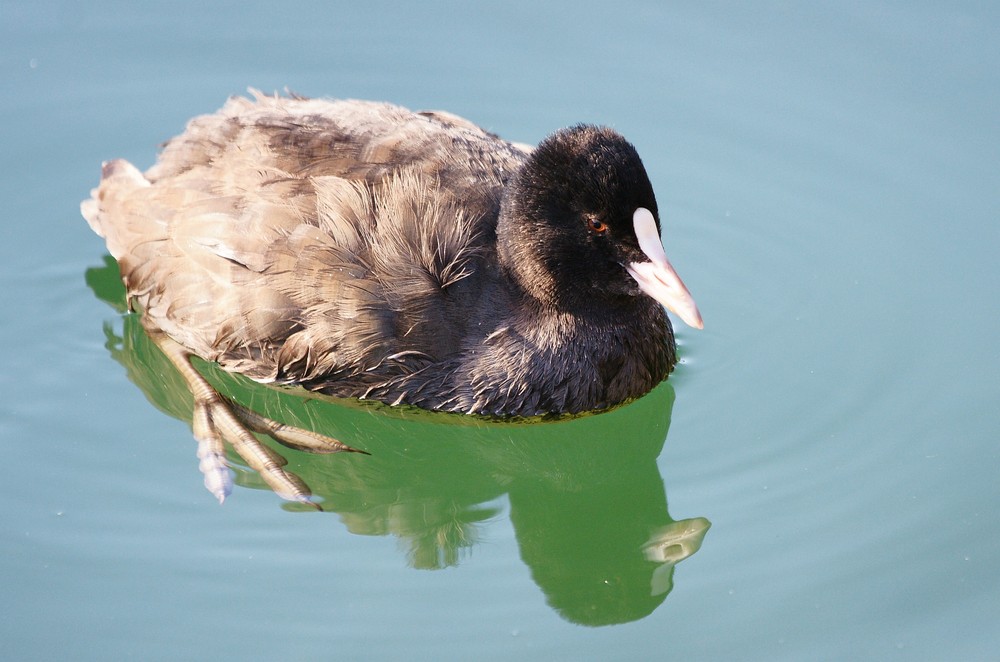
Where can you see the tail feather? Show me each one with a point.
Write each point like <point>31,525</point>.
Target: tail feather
<point>119,180</point>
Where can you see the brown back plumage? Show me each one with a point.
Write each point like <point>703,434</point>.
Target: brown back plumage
<point>278,236</point>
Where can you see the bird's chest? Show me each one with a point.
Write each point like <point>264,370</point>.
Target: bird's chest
<point>532,370</point>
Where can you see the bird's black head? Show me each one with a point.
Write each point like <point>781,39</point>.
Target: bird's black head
<point>566,229</point>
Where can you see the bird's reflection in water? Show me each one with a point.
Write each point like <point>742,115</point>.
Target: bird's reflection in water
<point>587,501</point>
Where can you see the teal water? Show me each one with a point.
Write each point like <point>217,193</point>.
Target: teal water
<point>828,179</point>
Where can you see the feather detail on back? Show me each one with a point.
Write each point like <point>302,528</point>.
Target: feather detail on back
<point>297,247</point>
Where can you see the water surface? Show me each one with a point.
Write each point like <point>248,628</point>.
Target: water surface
<point>828,182</point>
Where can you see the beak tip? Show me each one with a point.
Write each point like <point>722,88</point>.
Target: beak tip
<point>693,319</point>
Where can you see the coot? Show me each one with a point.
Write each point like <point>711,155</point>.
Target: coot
<point>363,250</point>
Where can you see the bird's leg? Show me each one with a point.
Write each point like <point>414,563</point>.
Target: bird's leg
<point>217,419</point>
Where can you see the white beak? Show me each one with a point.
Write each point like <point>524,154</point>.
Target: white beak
<point>656,277</point>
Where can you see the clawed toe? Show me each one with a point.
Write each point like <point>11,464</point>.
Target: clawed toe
<point>290,436</point>
<point>211,454</point>
<point>269,464</point>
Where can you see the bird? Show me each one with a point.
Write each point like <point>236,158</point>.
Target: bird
<point>363,250</point>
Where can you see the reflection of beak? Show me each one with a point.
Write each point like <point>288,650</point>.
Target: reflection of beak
<point>669,546</point>
<point>656,277</point>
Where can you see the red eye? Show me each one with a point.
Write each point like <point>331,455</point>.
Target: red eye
<point>598,226</point>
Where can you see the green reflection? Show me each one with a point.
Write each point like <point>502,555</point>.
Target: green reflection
<point>587,501</point>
